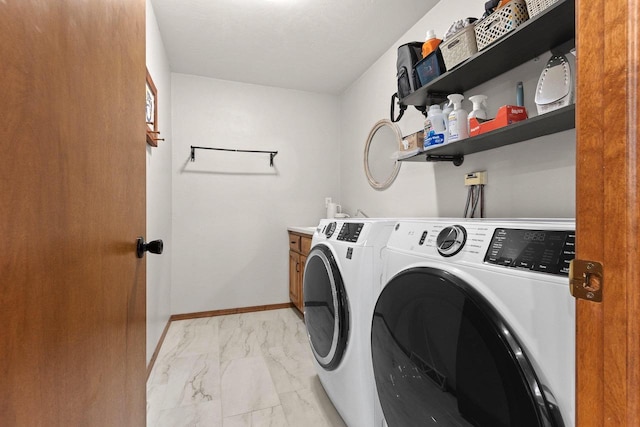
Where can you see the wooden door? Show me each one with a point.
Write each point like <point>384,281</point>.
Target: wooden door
<point>72,202</point>
<point>608,208</point>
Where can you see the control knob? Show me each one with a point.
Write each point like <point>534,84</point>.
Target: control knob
<point>451,240</point>
<point>331,228</point>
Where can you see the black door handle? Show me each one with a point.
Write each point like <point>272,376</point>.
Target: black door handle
<point>155,247</point>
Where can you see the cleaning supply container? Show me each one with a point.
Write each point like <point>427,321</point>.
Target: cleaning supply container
<point>435,127</point>
<point>458,124</point>
<point>430,43</point>
<point>479,107</point>
<point>446,111</point>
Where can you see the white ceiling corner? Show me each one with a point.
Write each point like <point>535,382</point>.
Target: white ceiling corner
<point>311,45</point>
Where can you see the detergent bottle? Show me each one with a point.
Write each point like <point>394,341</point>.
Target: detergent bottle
<point>479,107</point>
<point>458,124</point>
<point>427,127</point>
<point>430,43</point>
<point>435,131</point>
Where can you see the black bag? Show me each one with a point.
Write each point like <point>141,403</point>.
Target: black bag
<point>408,56</point>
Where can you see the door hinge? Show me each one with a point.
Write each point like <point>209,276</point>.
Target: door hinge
<point>586,279</point>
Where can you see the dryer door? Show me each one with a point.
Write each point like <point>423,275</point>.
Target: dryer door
<point>326,307</point>
<point>442,355</point>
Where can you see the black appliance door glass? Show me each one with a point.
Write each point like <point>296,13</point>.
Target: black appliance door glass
<point>326,309</point>
<point>443,356</point>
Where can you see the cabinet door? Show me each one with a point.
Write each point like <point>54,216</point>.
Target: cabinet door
<point>305,245</point>
<point>303,261</point>
<point>294,278</point>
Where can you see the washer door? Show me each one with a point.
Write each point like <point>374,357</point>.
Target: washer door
<point>326,307</point>
<point>442,355</point>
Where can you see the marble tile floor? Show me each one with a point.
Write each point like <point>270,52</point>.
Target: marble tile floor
<point>240,370</point>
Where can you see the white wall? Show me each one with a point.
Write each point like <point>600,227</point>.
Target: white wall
<point>227,238</point>
<point>158,191</point>
<point>231,210</point>
<point>531,179</point>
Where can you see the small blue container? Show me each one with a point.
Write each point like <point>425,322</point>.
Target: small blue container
<point>430,67</point>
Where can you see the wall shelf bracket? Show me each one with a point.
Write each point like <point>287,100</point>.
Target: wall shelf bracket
<point>436,97</point>
<point>457,160</point>
<point>271,154</point>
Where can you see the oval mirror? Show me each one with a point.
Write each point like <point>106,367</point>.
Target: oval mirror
<point>380,164</point>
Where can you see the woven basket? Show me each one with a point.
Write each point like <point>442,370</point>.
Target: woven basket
<point>501,22</point>
<point>537,6</point>
<point>460,47</point>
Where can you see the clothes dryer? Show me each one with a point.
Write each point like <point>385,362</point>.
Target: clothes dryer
<point>341,277</point>
<point>475,325</point>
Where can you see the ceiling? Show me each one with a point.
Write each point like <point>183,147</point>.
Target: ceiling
<point>311,45</point>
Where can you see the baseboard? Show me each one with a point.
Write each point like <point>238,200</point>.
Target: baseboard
<point>227,311</point>
<point>212,313</point>
<point>157,350</point>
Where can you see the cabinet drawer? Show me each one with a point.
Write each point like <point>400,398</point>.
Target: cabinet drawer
<point>305,245</point>
<point>294,242</point>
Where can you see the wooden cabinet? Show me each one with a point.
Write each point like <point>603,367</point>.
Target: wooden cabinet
<point>299,246</point>
<point>295,278</point>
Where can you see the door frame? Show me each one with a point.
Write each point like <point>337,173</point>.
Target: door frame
<point>607,211</point>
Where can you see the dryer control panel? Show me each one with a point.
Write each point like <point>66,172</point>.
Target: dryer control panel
<point>537,250</point>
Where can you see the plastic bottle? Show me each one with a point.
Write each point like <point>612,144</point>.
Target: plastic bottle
<point>427,127</point>
<point>519,94</point>
<point>435,131</point>
<point>430,43</point>
<point>447,110</point>
<point>458,124</point>
<point>479,105</point>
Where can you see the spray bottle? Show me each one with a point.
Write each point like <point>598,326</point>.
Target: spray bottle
<point>458,124</point>
<point>479,107</point>
<point>448,108</point>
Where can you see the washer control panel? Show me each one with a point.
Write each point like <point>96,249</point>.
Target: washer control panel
<point>350,232</point>
<point>537,250</point>
<point>540,246</point>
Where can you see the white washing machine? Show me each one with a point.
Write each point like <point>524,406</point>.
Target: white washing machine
<point>475,325</point>
<point>341,277</point>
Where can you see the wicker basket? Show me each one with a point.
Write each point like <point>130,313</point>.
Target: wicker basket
<point>460,47</point>
<point>501,22</point>
<point>537,6</point>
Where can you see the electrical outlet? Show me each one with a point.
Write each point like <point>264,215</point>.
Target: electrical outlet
<point>476,178</point>
<point>327,200</point>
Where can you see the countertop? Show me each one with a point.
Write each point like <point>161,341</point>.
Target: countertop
<point>303,230</point>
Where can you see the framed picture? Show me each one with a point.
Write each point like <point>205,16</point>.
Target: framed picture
<point>152,112</point>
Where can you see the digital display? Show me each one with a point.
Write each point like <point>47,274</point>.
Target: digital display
<point>537,250</point>
<point>350,231</point>
<point>535,236</point>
